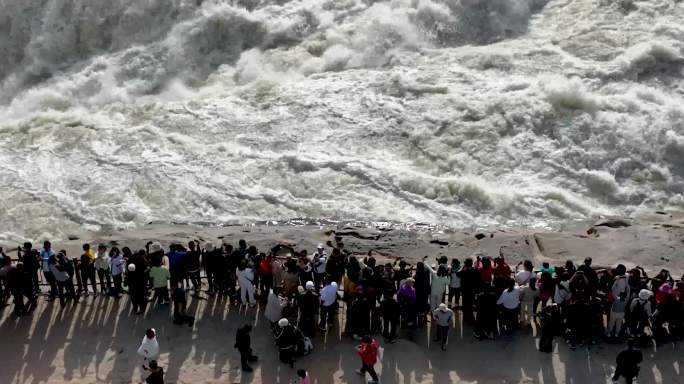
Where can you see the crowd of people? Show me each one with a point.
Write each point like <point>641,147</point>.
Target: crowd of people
<point>302,293</point>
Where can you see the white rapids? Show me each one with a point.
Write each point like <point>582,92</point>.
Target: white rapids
<point>115,113</point>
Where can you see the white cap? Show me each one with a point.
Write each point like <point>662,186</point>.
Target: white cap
<point>283,323</point>
<point>309,285</point>
<point>131,267</point>
<point>644,294</point>
<point>442,306</point>
<point>320,245</point>
<point>155,247</point>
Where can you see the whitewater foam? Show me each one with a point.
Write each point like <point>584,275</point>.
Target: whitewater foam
<point>459,113</point>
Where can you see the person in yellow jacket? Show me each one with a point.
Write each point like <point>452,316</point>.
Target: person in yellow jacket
<point>88,269</point>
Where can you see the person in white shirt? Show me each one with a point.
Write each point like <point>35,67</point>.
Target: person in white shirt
<point>523,276</point>
<point>245,277</point>
<point>328,304</point>
<point>438,286</point>
<point>320,258</point>
<point>45,255</point>
<point>102,267</point>
<point>149,347</point>
<point>443,317</point>
<point>510,303</point>
<point>116,266</point>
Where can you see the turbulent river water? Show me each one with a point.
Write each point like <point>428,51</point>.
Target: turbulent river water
<point>114,113</point>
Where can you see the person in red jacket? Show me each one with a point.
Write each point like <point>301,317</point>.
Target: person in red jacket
<point>368,350</point>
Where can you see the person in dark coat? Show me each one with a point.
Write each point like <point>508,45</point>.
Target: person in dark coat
<point>156,373</point>
<point>308,307</point>
<point>286,339</point>
<point>470,284</point>
<point>422,286</point>
<point>390,312</point>
<point>243,343</point>
<point>628,363</point>
<point>485,324</point>
<point>550,327</point>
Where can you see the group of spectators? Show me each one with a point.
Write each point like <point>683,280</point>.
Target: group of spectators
<point>301,293</point>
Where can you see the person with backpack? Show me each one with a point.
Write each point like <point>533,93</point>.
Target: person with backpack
<point>628,363</point>
<point>639,313</point>
<point>617,315</point>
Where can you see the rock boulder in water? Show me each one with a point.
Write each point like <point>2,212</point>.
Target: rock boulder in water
<point>613,223</point>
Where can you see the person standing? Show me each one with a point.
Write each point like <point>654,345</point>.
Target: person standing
<point>137,288</point>
<point>328,304</point>
<point>31,261</point>
<point>245,277</point>
<point>320,258</point>
<point>617,315</point>
<point>243,344</point>
<point>45,255</point>
<point>438,288</point>
<point>454,284</point>
<point>88,269</point>
<point>116,264</point>
<point>444,318</point>
<point>102,266</point>
<point>286,339</point>
<point>61,277</point>
<point>308,307</point>
<point>160,281</point>
<point>192,262</point>
<point>368,351</point>
<point>149,347</point>
<point>470,286</point>
<point>510,305</point>
<point>390,311</point>
<point>628,363</point>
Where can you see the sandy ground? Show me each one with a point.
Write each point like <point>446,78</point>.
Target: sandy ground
<point>95,341</point>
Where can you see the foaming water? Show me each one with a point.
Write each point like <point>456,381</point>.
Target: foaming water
<point>443,112</point>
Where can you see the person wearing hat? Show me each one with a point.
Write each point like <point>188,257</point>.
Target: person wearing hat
<point>286,339</point>
<point>320,258</point>
<point>639,313</point>
<point>156,373</point>
<point>308,307</point>
<point>243,343</point>
<point>443,317</point>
